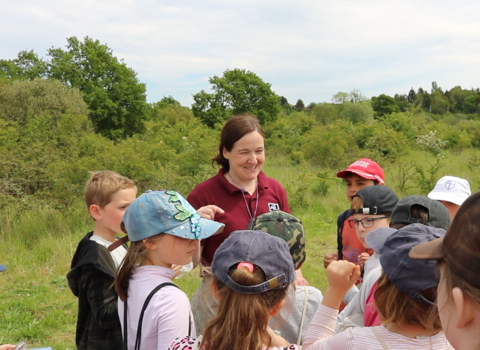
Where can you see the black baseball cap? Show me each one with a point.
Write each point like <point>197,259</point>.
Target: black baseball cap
<point>377,200</point>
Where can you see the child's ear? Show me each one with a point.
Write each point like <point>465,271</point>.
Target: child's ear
<point>94,210</point>
<point>151,245</point>
<point>276,309</point>
<point>465,311</point>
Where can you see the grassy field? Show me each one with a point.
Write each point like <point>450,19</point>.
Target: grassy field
<point>37,306</point>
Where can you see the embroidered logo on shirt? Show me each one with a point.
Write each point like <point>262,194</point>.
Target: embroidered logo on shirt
<point>273,206</point>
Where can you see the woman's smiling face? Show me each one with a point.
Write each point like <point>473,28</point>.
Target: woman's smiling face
<point>247,157</point>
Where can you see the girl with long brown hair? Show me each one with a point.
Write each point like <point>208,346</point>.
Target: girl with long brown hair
<point>252,274</point>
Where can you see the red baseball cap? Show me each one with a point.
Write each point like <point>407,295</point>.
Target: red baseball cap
<point>366,168</point>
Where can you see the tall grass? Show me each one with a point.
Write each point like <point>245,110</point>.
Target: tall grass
<point>37,243</point>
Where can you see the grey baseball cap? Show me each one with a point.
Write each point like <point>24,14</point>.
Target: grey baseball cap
<point>271,254</point>
<point>377,200</point>
<point>437,213</point>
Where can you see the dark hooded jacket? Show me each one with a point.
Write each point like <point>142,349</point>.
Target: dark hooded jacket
<point>90,279</point>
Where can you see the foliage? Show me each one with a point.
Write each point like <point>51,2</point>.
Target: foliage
<point>431,142</point>
<point>384,105</point>
<point>360,112</point>
<point>237,91</point>
<point>25,99</point>
<point>115,97</point>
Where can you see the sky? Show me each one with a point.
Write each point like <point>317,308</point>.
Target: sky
<point>306,49</point>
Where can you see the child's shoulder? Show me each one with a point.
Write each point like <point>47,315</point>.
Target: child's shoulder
<point>90,252</point>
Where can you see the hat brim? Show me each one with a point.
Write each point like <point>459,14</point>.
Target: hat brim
<point>447,197</point>
<point>2,268</point>
<point>342,174</point>
<point>428,250</point>
<point>208,228</point>
<point>376,239</point>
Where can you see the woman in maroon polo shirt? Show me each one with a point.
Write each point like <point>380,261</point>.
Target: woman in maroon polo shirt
<point>241,190</point>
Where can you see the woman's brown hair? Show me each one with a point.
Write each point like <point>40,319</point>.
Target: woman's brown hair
<point>234,129</point>
<point>242,319</point>
<point>394,306</point>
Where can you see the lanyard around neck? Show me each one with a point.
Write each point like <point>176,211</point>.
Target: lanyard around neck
<point>245,199</point>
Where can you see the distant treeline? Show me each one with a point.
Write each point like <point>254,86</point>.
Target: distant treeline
<point>84,110</point>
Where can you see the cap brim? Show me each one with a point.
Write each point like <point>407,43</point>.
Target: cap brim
<point>2,268</point>
<point>428,250</point>
<point>376,239</point>
<point>342,174</point>
<point>210,228</point>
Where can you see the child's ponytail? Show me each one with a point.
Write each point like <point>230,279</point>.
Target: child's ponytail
<point>242,319</point>
<point>134,256</point>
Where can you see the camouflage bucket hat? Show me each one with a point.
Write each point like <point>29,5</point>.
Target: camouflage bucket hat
<point>286,226</point>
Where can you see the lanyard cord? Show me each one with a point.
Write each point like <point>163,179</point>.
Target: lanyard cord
<point>245,199</point>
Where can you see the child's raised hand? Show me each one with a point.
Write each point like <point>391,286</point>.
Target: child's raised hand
<point>341,276</point>
<point>328,258</point>
<point>362,259</point>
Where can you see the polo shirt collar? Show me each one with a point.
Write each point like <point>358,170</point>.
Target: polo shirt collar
<point>262,182</point>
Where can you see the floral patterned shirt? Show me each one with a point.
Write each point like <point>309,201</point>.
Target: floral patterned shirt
<point>189,343</point>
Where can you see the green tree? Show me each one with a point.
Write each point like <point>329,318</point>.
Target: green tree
<point>26,66</point>
<point>300,105</point>
<point>237,91</point>
<point>112,91</point>
<point>24,99</point>
<point>357,112</point>
<point>384,105</point>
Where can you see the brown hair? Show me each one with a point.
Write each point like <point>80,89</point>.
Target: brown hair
<point>234,129</point>
<point>136,253</point>
<point>417,212</point>
<point>242,319</point>
<point>394,306</point>
<point>102,185</point>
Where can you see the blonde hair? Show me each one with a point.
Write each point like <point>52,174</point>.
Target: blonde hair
<point>394,306</point>
<point>357,203</point>
<point>102,185</point>
<point>242,319</point>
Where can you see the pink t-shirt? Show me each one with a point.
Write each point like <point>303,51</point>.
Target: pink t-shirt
<point>371,317</point>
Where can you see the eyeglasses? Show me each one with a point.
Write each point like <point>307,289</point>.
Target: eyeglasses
<point>366,223</point>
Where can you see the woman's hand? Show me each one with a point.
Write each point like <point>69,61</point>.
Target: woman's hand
<point>208,212</point>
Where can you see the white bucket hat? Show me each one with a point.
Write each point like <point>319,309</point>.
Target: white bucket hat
<point>451,189</point>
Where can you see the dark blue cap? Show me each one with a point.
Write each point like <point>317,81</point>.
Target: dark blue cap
<point>409,275</point>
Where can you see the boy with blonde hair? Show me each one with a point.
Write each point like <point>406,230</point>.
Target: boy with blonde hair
<point>107,195</point>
